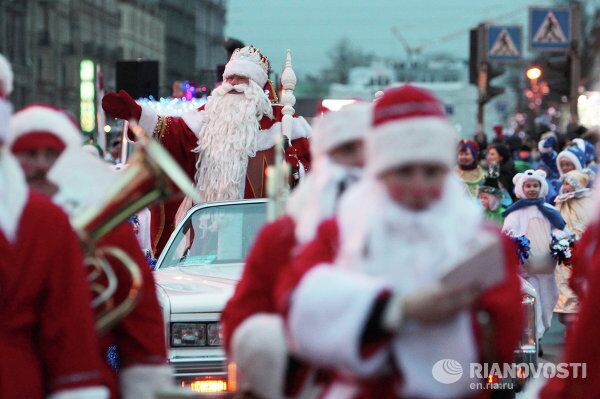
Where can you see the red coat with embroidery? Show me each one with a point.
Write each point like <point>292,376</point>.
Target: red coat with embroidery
<point>180,140</point>
<point>140,336</point>
<point>501,302</point>
<point>47,336</point>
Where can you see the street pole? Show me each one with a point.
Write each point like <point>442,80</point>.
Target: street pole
<point>482,74</point>
<point>575,57</point>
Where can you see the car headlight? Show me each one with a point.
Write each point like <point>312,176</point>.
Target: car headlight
<point>528,339</point>
<point>195,334</point>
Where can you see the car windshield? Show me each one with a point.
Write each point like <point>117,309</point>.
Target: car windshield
<point>216,235</point>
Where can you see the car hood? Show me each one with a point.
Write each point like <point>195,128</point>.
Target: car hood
<point>192,289</point>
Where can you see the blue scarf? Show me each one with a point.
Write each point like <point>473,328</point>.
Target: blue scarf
<point>552,214</point>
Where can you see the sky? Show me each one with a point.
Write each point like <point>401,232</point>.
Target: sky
<point>310,28</point>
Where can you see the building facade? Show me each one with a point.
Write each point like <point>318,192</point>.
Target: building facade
<point>142,35</point>
<point>46,42</point>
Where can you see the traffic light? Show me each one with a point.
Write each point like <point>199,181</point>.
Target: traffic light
<point>489,91</point>
<point>473,53</point>
<point>557,74</point>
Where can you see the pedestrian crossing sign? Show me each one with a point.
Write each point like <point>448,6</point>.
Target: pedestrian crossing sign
<point>549,28</point>
<point>504,43</point>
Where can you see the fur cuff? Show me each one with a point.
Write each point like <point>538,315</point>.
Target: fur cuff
<point>143,381</point>
<point>393,315</point>
<point>148,119</point>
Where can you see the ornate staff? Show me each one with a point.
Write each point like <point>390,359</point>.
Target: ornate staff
<point>278,174</point>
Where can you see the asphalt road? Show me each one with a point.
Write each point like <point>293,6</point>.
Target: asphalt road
<point>552,343</point>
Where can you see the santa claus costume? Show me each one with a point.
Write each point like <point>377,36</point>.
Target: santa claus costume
<point>349,288</point>
<point>48,342</point>
<point>536,220</point>
<point>225,145</point>
<point>252,330</point>
<point>139,336</point>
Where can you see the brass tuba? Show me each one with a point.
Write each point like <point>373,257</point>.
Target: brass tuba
<point>152,175</point>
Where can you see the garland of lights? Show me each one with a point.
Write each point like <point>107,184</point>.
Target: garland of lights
<point>167,106</point>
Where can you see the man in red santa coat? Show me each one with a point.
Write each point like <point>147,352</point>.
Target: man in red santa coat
<point>365,298</point>
<point>48,341</point>
<point>43,140</point>
<point>252,330</point>
<point>226,144</point>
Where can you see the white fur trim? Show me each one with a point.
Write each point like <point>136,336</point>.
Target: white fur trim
<point>6,77</point>
<point>317,317</point>
<point>259,350</point>
<point>148,119</point>
<point>6,111</point>
<point>266,137</point>
<point>13,194</point>
<point>143,381</point>
<point>97,392</point>
<point>520,178</point>
<point>44,119</point>
<point>545,136</point>
<point>394,313</point>
<point>194,120</point>
<point>249,69</point>
<point>427,139</point>
<point>336,128</point>
<point>571,157</point>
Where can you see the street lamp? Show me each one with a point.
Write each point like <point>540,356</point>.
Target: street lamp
<point>534,73</point>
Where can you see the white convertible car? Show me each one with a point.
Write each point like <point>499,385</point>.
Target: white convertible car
<point>196,274</point>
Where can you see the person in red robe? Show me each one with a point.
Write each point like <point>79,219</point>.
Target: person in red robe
<point>48,344</point>
<point>252,330</point>
<point>366,297</point>
<point>225,145</point>
<point>43,140</point>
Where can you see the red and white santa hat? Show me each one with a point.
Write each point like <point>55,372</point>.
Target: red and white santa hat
<point>42,126</point>
<point>249,62</point>
<point>409,125</point>
<point>6,77</point>
<point>334,129</point>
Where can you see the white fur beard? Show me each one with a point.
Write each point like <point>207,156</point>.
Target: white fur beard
<point>228,138</point>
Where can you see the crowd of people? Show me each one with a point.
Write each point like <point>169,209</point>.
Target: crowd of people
<point>401,247</point>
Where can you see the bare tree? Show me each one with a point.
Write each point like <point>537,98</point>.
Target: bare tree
<point>343,57</point>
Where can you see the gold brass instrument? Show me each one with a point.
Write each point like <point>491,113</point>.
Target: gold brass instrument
<point>152,176</point>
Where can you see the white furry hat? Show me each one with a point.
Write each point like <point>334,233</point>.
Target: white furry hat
<point>41,125</point>
<point>336,128</point>
<point>249,62</point>
<point>6,77</point>
<point>520,178</point>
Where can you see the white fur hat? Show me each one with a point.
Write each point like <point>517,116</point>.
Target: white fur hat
<point>29,126</point>
<point>249,62</point>
<point>409,125</point>
<point>6,77</point>
<point>336,128</point>
<point>520,178</point>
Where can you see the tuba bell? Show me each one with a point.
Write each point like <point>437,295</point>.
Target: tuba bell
<point>152,176</point>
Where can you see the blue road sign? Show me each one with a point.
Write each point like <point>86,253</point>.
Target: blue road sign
<point>504,43</point>
<point>549,28</point>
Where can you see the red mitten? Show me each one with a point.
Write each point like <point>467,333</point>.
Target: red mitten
<point>121,106</point>
<point>302,146</point>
